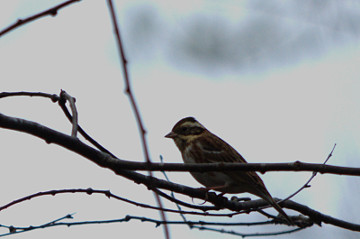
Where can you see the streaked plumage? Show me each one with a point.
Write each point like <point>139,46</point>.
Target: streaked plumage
<point>198,145</point>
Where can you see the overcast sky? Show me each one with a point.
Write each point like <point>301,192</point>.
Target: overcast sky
<point>278,81</point>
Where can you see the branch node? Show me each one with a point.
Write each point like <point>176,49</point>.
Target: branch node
<point>127,218</point>
<point>89,191</point>
<point>12,229</point>
<point>53,12</point>
<point>108,194</point>
<point>297,164</point>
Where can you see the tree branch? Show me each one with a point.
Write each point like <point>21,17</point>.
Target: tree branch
<point>108,194</point>
<point>62,103</point>
<point>128,218</point>
<point>106,161</point>
<point>134,106</point>
<point>51,12</point>
<point>178,167</point>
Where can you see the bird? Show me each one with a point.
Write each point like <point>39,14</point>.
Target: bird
<point>198,145</point>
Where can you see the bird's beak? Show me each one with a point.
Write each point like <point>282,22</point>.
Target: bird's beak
<point>171,135</point>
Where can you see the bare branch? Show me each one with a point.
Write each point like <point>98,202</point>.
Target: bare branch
<point>51,12</point>
<point>243,235</point>
<point>134,106</point>
<point>319,217</point>
<point>179,167</point>
<point>179,202</point>
<point>62,103</point>
<point>108,194</point>
<point>128,89</point>
<point>260,167</point>
<point>128,218</point>
<point>16,230</point>
<point>53,97</point>
<point>66,97</point>
<point>106,161</point>
<point>307,184</point>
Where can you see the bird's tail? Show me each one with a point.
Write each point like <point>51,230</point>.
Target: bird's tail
<point>280,210</point>
<point>267,197</point>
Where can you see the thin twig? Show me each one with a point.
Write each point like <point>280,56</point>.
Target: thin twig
<point>108,194</point>
<point>50,12</point>
<point>206,167</point>
<point>106,161</point>
<point>16,230</point>
<point>66,97</point>
<point>176,201</point>
<point>130,94</point>
<point>243,235</point>
<point>83,132</point>
<point>54,98</point>
<point>173,195</point>
<point>306,185</point>
<point>128,89</point>
<point>128,218</point>
<point>62,103</point>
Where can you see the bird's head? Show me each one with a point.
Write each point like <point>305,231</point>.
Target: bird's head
<point>186,130</point>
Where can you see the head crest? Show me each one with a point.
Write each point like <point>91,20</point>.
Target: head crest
<point>186,119</point>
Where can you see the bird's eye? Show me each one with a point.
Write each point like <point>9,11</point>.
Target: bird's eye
<point>184,129</point>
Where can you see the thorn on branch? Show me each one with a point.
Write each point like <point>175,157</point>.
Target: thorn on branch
<point>108,194</point>
<point>53,12</point>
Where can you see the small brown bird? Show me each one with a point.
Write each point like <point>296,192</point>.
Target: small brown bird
<point>199,145</point>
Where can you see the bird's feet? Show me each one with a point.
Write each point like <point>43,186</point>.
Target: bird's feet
<point>241,199</point>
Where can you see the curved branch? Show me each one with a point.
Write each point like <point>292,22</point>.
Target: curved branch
<point>260,167</point>
<point>51,12</point>
<point>134,105</point>
<point>62,103</point>
<point>307,184</point>
<point>106,161</point>
<point>319,217</point>
<point>59,222</point>
<point>108,194</point>
<point>52,136</point>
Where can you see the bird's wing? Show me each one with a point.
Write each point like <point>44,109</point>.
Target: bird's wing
<point>216,150</point>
